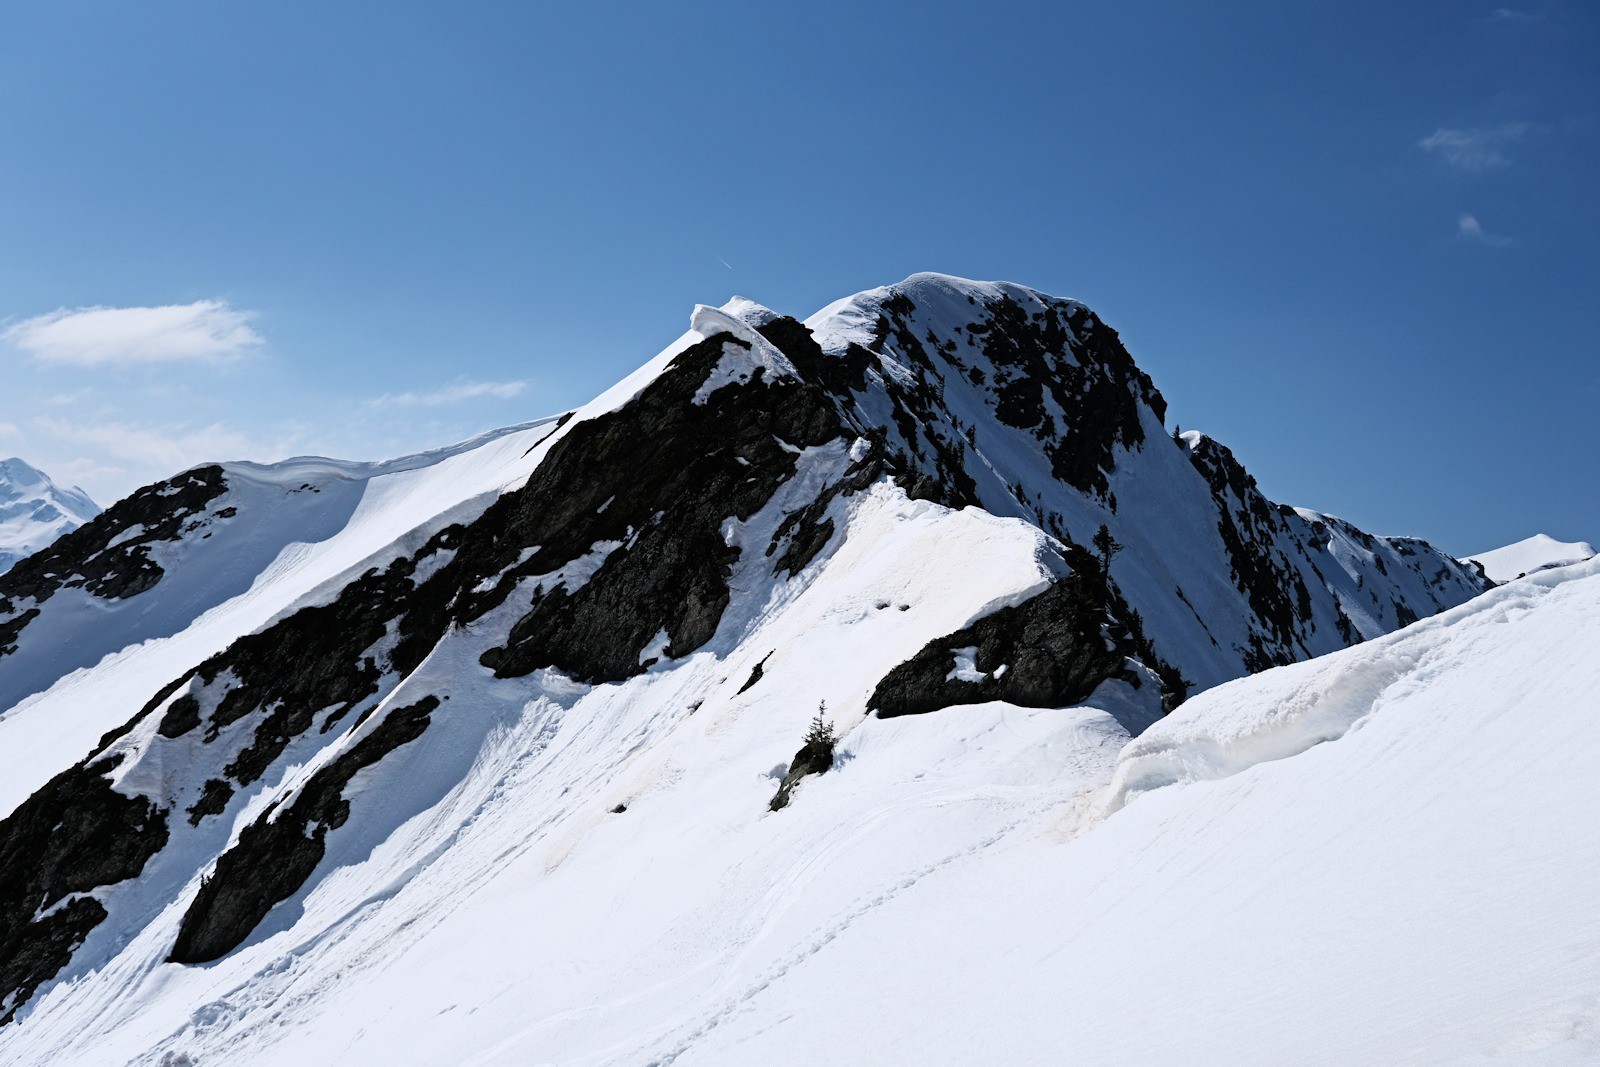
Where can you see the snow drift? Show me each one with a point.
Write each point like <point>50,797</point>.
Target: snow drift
<point>1536,553</point>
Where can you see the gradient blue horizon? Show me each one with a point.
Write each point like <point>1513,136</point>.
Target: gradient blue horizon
<point>409,195</point>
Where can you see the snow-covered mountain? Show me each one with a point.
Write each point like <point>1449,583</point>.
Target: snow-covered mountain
<point>1536,553</point>
<point>34,511</point>
<point>527,700</point>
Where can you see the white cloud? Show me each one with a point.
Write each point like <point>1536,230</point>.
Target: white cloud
<point>83,472</point>
<point>1474,149</point>
<point>1468,228</point>
<point>450,394</point>
<point>10,430</point>
<point>1518,17</point>
<point>162,450</point>
<point>207,331</point>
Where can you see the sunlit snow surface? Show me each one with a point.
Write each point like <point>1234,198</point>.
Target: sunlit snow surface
<point>1416,888</point>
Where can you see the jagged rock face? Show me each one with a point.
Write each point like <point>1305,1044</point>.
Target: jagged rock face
<point>274,857</point>
<point>1251,528</point>
<point>70,838</point>
<point>667,562</point>
<point>948,372</point>
<point>1028,405</point>
<point>1286,560</point>
<point>1050,651</point>
<point>651,531</point>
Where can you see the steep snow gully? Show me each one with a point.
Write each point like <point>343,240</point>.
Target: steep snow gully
<point>467,757</point>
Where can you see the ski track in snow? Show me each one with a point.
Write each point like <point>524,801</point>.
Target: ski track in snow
<point>791,886</point>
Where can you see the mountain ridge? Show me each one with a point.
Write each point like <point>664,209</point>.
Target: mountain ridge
<point>900,488</point>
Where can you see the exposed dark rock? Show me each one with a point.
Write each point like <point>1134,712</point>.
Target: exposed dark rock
<point>814,757</point>
<point>182,715</point>
<point>806,532</point>
<point>13,627</point>
<point>755,673</point>
<point>836,374</point>
<point>214,797</point>
<point>667,505</point>
<point>1049,651</point>
<point>1061,357</point>
<point>1250,528</point>
<point>277,853</point>
<point>73,836</point>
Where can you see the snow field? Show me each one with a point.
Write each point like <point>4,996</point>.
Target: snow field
<point>1417,890</point>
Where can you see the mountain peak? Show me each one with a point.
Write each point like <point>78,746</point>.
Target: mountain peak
<point>34,511</point>
<point>932,506</point>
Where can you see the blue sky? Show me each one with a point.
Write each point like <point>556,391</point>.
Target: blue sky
<point>1358,242</point>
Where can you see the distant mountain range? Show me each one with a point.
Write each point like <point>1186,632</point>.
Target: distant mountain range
<point>34,511</point>
<point>361,736</point>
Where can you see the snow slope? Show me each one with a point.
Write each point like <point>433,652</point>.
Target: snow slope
<point>35,511</point>
<point>1380,856</point>
<point>497,866</point>
<point>1376,856</point>
<point>1531,554</point>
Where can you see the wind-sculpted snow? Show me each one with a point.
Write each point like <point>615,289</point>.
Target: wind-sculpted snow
<point>1287,711</point>
<point>1418,890</point>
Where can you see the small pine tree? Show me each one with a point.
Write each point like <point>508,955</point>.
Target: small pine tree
<point>821,732</point>
<point>1107,546</point>
<point>1177,433</point>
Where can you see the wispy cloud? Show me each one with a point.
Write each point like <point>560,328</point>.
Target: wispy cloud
<point>1474,149</point>
<point>450,394</point>
<point>207,331</point>
<point>161,449</point>
<point>1518,17</point>
<point>1468,228</point>
<point>10,430</point>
